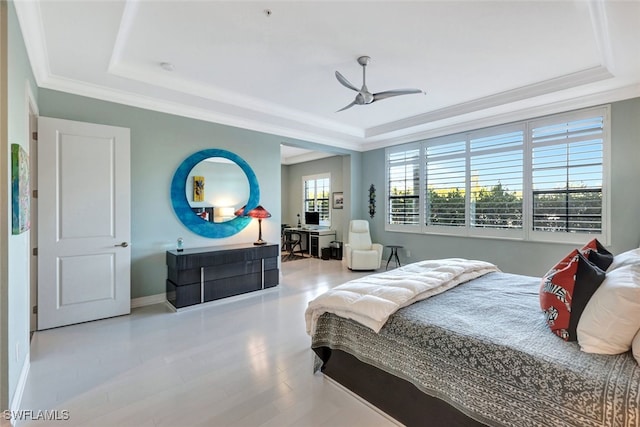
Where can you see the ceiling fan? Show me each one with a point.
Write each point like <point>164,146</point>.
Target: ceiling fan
<point>364,96</point>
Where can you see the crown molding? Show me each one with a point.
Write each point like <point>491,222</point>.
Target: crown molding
<point>600,25</point>
<point>327,132</point>
<point>30,20</point>
<point>118,67</point>
<point>545,87</point>
<point>257,115</point>
<point>126,23</point>
<point>463,125</point>
<point>228,99</point>
<point>307,157</point>
<point>179,109</point>
<point>360,145</point>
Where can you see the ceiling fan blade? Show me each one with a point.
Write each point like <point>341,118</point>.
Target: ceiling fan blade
<point>348,106</point>
<point>396,92</point>
<point>345,82</point>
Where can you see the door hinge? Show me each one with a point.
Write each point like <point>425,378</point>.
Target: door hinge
<point>34,194</point>
<point>35,251</point>
<point>34,136</point>
<point>35,309</point>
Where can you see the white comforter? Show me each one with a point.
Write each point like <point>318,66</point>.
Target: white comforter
<point>370,300</point>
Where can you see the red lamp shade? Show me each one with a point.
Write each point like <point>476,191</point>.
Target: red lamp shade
<point>258,212</point>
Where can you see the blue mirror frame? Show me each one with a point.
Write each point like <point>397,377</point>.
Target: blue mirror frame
<point>183,210</point>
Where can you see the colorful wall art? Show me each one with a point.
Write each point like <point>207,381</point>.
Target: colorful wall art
<point>20,202</point>
<point>198,188</point>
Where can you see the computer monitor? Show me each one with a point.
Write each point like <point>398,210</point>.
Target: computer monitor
<point>312,218</point>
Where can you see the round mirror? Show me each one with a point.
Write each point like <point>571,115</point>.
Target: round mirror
<point>212,198</point>
<point>208,187</point>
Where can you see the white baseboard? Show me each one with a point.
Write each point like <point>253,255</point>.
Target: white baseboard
<point>220,301</point>
<point>22,382</point>
<point>148,300</point>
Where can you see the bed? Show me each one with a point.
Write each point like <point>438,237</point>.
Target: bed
<point>445,361</point>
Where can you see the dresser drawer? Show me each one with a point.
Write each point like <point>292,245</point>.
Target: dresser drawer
<point>234,269</point>
<point>183,296</point>
<point>271,263</point>
<point>222,288</point>
<point>271,278</point>
<point>184,277</point>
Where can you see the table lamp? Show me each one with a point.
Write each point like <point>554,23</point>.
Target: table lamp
<point>258,212</point>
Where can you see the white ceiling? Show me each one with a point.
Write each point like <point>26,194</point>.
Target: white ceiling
<point>479,62</point>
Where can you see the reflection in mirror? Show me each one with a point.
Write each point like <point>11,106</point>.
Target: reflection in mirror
<point>180,197</point>
<point>221,187</point>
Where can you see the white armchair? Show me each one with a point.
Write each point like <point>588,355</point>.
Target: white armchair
<point>360,253</point>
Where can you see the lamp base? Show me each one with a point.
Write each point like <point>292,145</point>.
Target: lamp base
<point>260,242</point>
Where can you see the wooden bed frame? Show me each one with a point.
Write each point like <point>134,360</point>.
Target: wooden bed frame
<point>395,396</point>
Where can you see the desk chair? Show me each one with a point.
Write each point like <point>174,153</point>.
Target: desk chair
<point>292,240</point>
<point>283,227</point>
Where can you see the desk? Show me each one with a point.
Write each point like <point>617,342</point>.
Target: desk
<point>314,240</point>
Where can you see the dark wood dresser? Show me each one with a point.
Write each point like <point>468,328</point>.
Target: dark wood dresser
<point>205,274</point>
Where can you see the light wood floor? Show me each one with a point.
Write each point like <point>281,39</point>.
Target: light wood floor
<point>239,362</point>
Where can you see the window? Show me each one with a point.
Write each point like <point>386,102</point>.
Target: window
<point>567,172</point>
<point>317,190</point>
<point>496,167</point>
<point>404,187</point>
<point>446,183</point>
<point>543,179</point>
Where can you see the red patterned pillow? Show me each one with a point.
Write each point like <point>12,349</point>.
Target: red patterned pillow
<point>597,254</point>
<point>565,291</point>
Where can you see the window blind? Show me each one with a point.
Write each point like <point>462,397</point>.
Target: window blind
<point>543,179</point>
<point>403,185</point>
<point>446,183</point>
<point>567,173</point>
<point>496,176</point>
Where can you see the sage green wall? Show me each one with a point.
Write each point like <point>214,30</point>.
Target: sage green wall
<point>20,80</point>
<point>529,258</point>
<point>353,173</point>
<point>159,143</point>
<point>284,185</point>
<point>294,191</point>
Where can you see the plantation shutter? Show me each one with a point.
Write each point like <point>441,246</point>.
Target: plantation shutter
<point>496,178</point>
<point>567,174</point>
<point>544,179</point>
<point>403,187</point>
<point>446,183</point>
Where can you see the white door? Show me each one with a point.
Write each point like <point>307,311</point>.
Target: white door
<point>84,224</point>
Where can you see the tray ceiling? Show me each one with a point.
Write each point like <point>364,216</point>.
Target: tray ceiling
<point>269,66</point>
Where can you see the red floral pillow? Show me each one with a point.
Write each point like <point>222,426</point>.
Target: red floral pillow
<point>565,291</point>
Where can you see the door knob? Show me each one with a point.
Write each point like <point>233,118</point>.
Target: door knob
<point>123,244</point>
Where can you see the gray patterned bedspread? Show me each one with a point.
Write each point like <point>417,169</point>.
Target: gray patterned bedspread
<point>484,348</point>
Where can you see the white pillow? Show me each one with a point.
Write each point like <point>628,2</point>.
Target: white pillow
<point>611,318</point>
<point>625,258</point>
<point>636,347</point>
